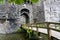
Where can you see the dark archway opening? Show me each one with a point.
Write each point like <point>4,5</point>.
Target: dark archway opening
<point>26,17</point>
<point>24,10</point>
<point>25,13</point>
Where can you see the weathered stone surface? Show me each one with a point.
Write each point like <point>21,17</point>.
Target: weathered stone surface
<point>52,10</point>
<point>48,11</point>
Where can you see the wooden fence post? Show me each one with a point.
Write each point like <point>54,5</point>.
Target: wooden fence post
<point>48,30</point>
<point>37,30</point>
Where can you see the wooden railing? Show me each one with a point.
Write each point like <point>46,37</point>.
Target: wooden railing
<point>48,25</point>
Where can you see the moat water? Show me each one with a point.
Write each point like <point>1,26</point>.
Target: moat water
<point>15,36</point>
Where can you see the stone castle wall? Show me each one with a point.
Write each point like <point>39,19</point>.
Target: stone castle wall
<point>38,12</point>
<point>13,19</point>
<point>52,10</point>
<point>48,11</point>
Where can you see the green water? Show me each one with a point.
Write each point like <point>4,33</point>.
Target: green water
<point>16,36</point>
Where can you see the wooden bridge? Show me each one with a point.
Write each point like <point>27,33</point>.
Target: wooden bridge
<point>49,28</point>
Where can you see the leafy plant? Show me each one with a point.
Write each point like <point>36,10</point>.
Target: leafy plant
<point>18,30</point>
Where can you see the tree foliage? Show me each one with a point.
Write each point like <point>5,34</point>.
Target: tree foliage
<point>1,1</point>
<point>11,1</point>
<point>21,1</point>
<point>34,1</point>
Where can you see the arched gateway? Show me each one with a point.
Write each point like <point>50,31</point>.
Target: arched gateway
<point>25,15</point>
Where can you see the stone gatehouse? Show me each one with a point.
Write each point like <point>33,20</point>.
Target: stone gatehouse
<point>12,15</point>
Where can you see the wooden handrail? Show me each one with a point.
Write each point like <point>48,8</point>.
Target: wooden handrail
<point>47,26</point>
